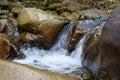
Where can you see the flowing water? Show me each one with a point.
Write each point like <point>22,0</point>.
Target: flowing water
<point>56,59</point>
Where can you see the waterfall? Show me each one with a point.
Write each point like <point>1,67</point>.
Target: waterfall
<point>55,59</point>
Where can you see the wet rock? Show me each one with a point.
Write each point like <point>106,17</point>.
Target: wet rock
<point>9,27</point>
<point>93,14</point>
<point>102,55</point>
<point>110,47</point>
<point>79,29</point>
<point>75,34</point>
<point>8,72</point>
<point>91,55</point>
<point>40,22</point>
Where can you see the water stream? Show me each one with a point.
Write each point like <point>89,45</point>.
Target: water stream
<point>56,59</point>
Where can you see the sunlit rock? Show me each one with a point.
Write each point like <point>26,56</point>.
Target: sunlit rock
<point>40,22</point>
<point>71,16</point>
<point>93,14</point>
<point>14,71</point>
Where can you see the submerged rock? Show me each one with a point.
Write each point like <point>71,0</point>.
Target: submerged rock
<point>40,22</point>
<point>8,72</point>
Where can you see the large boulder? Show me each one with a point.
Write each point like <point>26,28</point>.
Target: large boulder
<point>14,71</point>
<point>40,22</point>
<point>102,55</point>
<point>110,46</point>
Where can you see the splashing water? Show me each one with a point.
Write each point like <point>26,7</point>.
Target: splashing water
<point>57,58</point>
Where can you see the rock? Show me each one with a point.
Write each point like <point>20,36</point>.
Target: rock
<point>73,16</point>
<point>4,12</point>
<point>4,48</point>
<point>79,29</point>
<point>75,34</point>
<point>9,27</point>
<point>93,14</point>
<point>110,47</point>
<point>4,4</point>
<point>26,36</point>
<point>91,55</point>
<point>46,2</point>
<point>32,39</point>
<point>102,56</point>
<point>66,5</point>
<point>40,22</point>
<point>7,50</point>
<point>10,71</point>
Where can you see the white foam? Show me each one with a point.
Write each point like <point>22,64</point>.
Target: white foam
<point>56,59</point>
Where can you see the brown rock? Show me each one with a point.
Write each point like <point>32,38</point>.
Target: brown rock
<point>75,34</point>
<point>4,48</point>
<point>73,16</point>
<point>14,71</point>
<point>91,55</point>
<point>42,23</point>
<point>110,46</point>
<point>102,56</point>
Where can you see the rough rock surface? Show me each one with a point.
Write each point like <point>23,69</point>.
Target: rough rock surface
<point>75,34</point>
<point>4,48</point>
<point>40,22</point>
<point>9,28</point>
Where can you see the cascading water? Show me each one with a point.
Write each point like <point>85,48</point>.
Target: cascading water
<point>56,59</point>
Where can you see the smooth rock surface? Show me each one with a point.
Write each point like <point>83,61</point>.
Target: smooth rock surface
<point>103,54</point>
<point>15,71</point>
<point>110,47</point>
